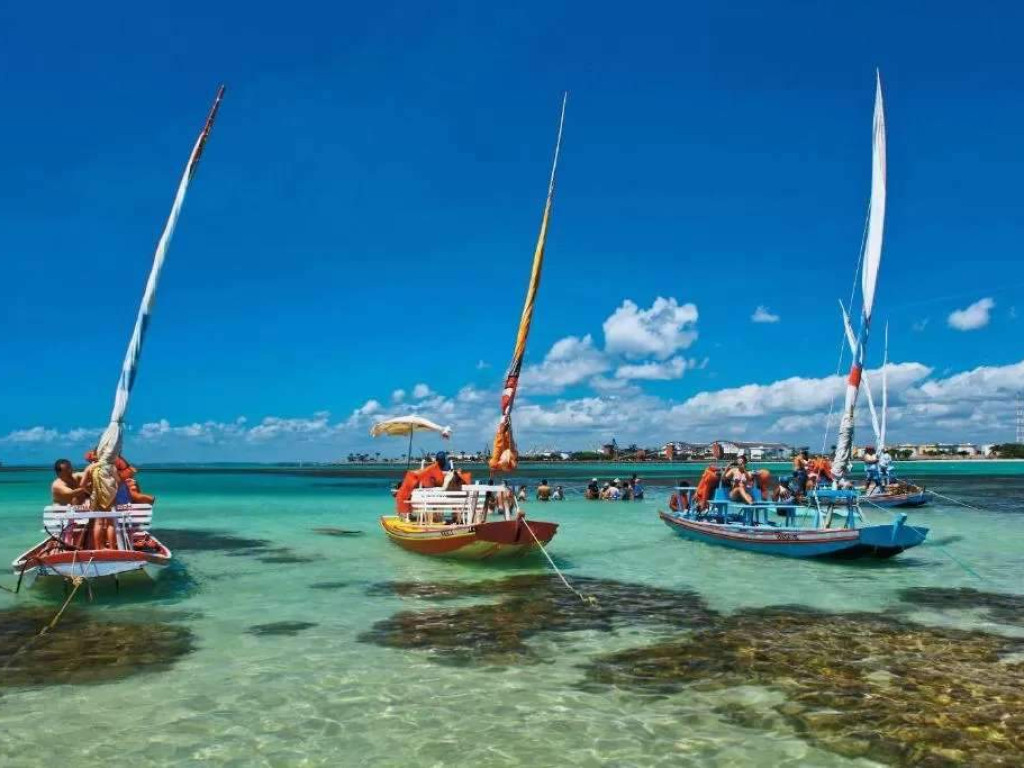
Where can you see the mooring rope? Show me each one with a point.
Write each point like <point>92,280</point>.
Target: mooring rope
<point>77,581</point>
<point>586,599</point>
<point>924,540</point>
<point>957,501</point>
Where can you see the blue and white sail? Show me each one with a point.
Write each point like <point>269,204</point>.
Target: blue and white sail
<point>872,257</point>
<point>109,447</point>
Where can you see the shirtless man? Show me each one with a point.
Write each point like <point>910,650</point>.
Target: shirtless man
<point>67,487</point>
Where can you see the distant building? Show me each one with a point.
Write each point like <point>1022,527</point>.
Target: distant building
<point>756,451</point>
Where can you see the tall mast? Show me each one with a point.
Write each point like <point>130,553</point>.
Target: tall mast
<point>110,443</point>
<point>869,275</point>
<point>504,457</point>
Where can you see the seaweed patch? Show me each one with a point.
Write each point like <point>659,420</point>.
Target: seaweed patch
<point>84,650</point>
<point>527,605</point>
<point>856,684</point>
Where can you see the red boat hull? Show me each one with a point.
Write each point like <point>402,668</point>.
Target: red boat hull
<point>484,541</point>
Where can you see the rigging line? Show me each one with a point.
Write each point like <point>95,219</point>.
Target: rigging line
<point>961,503</point>
<point>842,337</point>
<point>586,599</point>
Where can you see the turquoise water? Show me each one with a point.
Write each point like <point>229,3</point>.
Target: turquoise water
<point>330,688</point>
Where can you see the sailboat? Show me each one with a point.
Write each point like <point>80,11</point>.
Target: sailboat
<point>439,510</point>
<point>777,528</point>
<point>70,549</point>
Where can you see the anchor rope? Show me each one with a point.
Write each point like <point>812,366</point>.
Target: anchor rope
<point>961,503</point>
<point>77,581</point>
<point>585,599</point>
<point>966,568</point>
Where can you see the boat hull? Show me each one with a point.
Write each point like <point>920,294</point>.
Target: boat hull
<point>483,541</point>
<point>39,563</point>
<point>896,500</point>
<point>875,541</point>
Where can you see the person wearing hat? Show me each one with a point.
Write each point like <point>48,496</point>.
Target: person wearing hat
<point>680,500</point>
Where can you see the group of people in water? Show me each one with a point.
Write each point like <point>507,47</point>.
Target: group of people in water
<point>80,489</point>
<point>615,490</point>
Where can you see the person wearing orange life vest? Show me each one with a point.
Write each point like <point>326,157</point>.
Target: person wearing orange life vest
<point>680,500</point>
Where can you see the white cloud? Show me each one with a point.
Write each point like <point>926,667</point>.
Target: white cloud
<point>570,361</point>
<point>657,332</point>
<point>655,371</point>
<point>920,325</point>
<point>398,396</point>
<point>764,315</point>
<point>32,435</point>
<point>421,391</point>
<point>276,427</point>
<point>482,365</point>
<point>973,317</point>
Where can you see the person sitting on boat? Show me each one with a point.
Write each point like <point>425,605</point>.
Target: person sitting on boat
<point>593,491</point>
<point>558,494</point>
<point>737,468</point>
<point>67,487</point>
<point>871,475</point>
<point>680,500</point>
<point>763,480</point>
<point>783,494</point>
<point>543,491</point>
<point>740,479</point>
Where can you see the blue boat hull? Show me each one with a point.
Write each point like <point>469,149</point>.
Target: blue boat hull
<point>896,500</point>
<point>875,541</point>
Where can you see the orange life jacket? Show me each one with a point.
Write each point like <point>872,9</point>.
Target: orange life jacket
<point>706,486</point>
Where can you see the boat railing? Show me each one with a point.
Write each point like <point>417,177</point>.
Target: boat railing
<point>57,517</point>
<point>466,505</point>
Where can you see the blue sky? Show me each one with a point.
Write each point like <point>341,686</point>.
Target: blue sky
<point>365,214</point>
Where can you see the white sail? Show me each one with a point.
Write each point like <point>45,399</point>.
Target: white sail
<point>852,341</point>
<point>841,464</point>
<point>109,447</point>
<point>876,217</point>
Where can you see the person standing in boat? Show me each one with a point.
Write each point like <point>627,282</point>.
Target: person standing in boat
<point>886,471</point>
<point>506,501</point>
<point>101,480</point>
<point>67,487</point>
<point>800,473</point>
<point>871,471</point>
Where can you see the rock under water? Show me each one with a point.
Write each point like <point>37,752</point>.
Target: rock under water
<point>82,649</point>
<point>856,684</point>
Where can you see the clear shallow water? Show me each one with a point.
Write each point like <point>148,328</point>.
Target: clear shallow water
<point>324,695</point>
